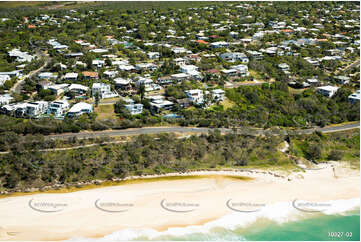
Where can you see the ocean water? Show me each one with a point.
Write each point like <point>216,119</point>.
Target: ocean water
<point>277,222</point>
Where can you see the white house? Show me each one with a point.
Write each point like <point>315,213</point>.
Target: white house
<point>110,74</point>
<point>47,75</point>
<point>219,44</point>
<point>195,96</point>
<point>242,70</point>
<point>3,79</point>
<point>179,61</point>
<point>79,109</point>
<point>235,56</point>
<point>284,67</point>
<point>327,91</point>
<point>58,108</point>
<point>146,66</point>
<point>5,99</point>
<point>158,103</point>
<point>20,56</point>
<point>354,97</point>
<point>34,109</point>
<point>103,90</point>
<point>57,89</point>
<point>153,55</point>
<point>98,63</point>
<point>342,79</point>
<point>218,95</point>
<point>188,68</point>
<point>134,108</point>
<point>71,76</point>
<point>78,88</point>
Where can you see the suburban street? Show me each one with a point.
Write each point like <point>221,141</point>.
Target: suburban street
<point>157,130</point>
<point>17,87</point>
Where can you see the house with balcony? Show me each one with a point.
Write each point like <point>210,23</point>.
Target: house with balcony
<point>103,90</point>
<point>134,108</point>
<point>234,57</point>
<point>35,109</point>
<point>58,108</point>
<point>196,96</point>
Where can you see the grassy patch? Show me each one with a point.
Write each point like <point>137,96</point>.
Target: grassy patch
<point>105,111</point>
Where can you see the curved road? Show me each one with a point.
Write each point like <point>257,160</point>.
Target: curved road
<point>157,130</point>
<point>17,87</point>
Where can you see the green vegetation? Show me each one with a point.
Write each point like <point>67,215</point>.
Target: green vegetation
<point>274,105</point>
<point>27,167</point>
<point>323,147</point>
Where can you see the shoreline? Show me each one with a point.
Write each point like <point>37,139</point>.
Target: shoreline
<point>95,184</point>
<point>211,190</point>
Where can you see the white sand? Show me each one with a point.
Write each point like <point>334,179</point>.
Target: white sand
<point>81,218</point>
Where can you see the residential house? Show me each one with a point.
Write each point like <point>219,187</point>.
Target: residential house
<point>134,109</point>
<point>58,108</point>
<point>146,67</point>
<point>342,79</point>
<point>71,76</point>
<point>153,55</point>
<point>35,109</point>
<point>79,109</point>
<point>3,79</point>
<point>20,56</point>
<point>312,81</point>
<point>47,75</point>
<point>103,90</point>
<point>219,44</point>
<point>58,89</point>
<point>43,85</point>
<point>90,75</point>
<point>230,72</point>
<point>234,57</point>
<point>218,95</point>
<point>180,61</point>
<point>78,89</point>
<point>242,70</point>
<point>354,97</point>
<point>327,91</point>
<point>284,67</point>
<point>255,55</point>
<point>196,96</point>
<point>5,99</point>
<point>98,63</point>
<point>157,104</point>
<point>121,83</point>
<point>148,83</point>
<point>110,74</point>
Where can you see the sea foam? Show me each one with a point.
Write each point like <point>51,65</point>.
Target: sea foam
<point>280,212</point>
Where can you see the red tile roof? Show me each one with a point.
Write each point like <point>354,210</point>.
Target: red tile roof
<point>201,42</point>
<point>90,74</point>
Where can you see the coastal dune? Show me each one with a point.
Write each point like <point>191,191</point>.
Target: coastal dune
<point>165,204</point>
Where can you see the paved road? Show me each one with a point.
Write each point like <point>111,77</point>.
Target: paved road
<point>356,63</point>
<point>17,87</point>
<point>157,130</point>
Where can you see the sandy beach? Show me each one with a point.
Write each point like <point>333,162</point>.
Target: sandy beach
<point>165,204</point>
